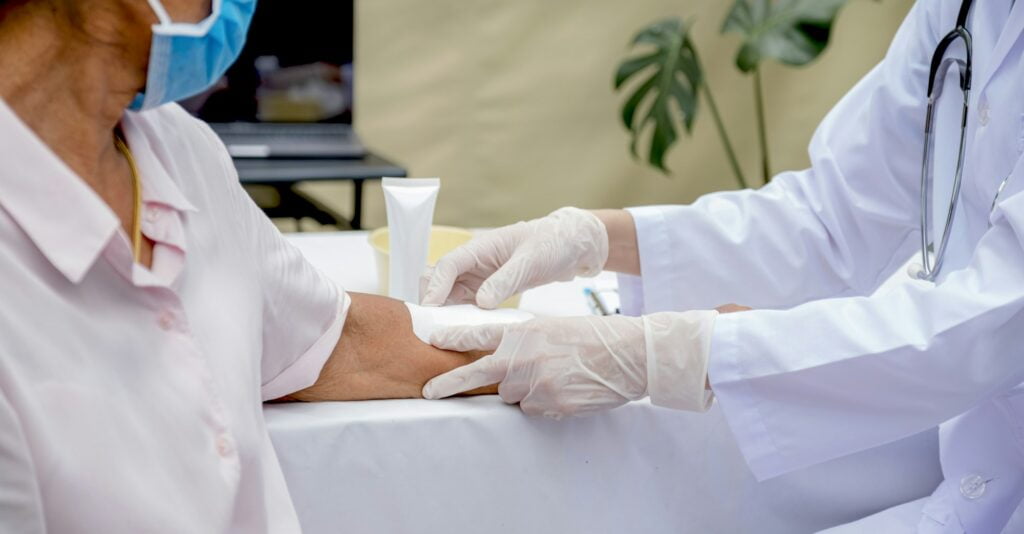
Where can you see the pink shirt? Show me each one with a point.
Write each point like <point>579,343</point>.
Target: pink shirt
<point>130,399</point>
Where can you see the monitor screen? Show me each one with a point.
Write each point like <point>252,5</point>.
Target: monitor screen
<point>296,67</point>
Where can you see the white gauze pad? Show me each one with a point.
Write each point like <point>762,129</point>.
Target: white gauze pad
<point>427,319</point>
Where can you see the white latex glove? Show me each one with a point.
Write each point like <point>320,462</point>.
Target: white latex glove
<point>503,262</point>
<point>574,366</point>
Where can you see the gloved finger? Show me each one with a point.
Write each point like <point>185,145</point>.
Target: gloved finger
<point>505,282</point>
<point>534,409</point>
<point>559,397</point>
<point>445,273</point>
<point>536,383</point>
<point>546,403</point>
<point>559,406</point>
<point>485,337</point>
<point>514,388</point>
<point>425,278</point>
<point>461,293</point>
<point>483,372</point>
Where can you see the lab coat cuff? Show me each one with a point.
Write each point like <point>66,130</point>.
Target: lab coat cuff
<point>654,243</point>
<point>737,400</point>
<point>305,370</point>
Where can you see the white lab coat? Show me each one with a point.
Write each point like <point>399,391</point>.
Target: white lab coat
<point>822,370</point>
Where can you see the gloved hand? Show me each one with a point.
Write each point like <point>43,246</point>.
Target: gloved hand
<point>498,264</point>
<point>573,366</point>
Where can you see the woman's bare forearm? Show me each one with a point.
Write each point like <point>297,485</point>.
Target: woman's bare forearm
<point>623,251</point>
<point>379,357</point>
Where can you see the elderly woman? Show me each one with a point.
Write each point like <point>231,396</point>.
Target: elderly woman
<point>148,307</point>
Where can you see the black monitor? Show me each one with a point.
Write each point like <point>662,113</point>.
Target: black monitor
<point>296,67</point>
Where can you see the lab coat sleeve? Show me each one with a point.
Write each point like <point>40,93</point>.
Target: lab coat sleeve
<point>832,377</point>
<point>303,311</point>
<point>837,228</point>
<point>20,499</point>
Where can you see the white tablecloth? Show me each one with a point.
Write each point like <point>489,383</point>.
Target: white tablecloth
<point>476,465</point>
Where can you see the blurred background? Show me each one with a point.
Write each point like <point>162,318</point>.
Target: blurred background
<point>512,104</point>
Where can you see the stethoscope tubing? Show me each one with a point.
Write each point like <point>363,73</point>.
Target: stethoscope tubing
<point>928,270</point>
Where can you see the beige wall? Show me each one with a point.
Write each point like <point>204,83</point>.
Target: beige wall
<point>510,101</point>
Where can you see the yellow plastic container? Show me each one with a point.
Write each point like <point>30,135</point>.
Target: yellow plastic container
<point>443,239</point>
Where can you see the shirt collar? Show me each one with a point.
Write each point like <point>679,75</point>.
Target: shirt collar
<point>68,222</point>
<point>64,217</point>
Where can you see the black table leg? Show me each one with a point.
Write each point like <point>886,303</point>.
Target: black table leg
<point>293,205</point>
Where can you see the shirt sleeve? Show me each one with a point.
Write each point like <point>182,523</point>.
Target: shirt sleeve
<point>303,311</point>
<point>837,376</point>
<point>303,315</point>
<point>20,501</point>
<point>837,228</point>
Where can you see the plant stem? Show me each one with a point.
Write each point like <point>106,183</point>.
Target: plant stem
<point>761,135</point>
<point>725,137</point>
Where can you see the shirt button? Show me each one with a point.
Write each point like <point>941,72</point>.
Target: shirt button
<point>165,321</point>
<point>983,114</point>
<point>972,487</point>
<point>223,445</point>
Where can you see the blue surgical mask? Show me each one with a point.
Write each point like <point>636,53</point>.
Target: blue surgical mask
<point>186,59</point>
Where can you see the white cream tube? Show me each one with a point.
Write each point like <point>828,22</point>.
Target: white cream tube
<point>410,208</point>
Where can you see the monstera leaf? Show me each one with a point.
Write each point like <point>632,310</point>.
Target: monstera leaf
<point>667,70</point>
<point>670,72</point>
<point>793,32</point>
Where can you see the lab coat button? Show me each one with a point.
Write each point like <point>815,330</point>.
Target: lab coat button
<point>983,115</point>
<point>972,487</point>
<point>152,215</point>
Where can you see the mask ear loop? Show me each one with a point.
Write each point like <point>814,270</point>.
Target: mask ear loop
<point>161,13</point>
<point>165,20</point>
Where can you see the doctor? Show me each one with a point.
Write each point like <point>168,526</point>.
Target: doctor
<point>820,370</point>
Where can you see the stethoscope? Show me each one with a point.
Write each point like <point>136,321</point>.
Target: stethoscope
<point>929,269</point>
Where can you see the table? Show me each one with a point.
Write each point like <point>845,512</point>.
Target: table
<point>284,174</point>
<point>475,465</point>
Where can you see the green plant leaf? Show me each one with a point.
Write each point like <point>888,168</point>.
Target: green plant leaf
<point>670,73</point>
<point>793,32</point>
